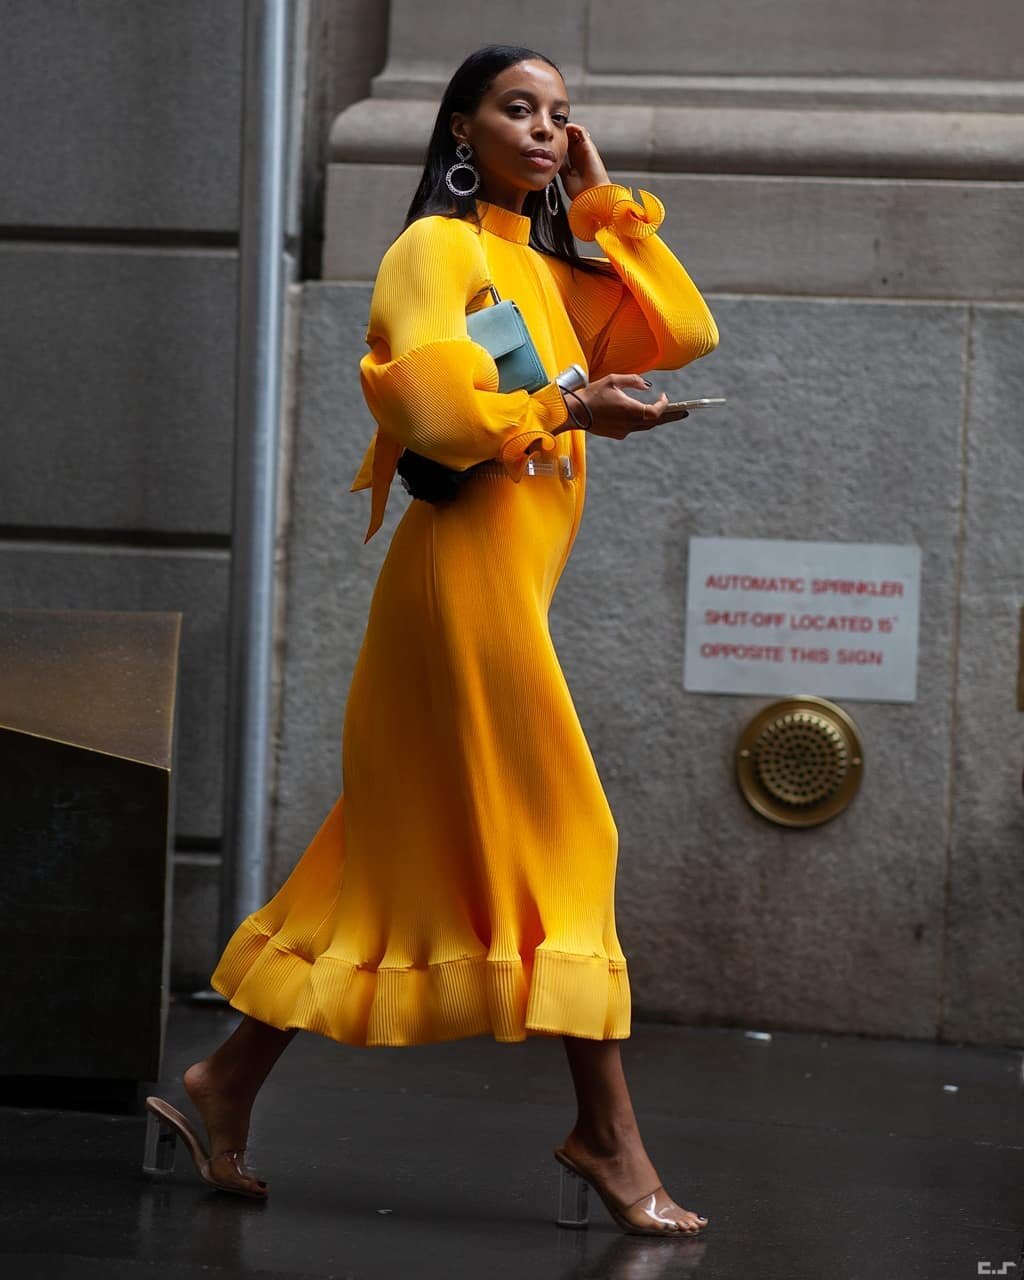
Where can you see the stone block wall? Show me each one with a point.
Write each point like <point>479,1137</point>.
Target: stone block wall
<point>845,186</point>
<point>118,268</point>
<point>118,249</point>
<point>843,182</point>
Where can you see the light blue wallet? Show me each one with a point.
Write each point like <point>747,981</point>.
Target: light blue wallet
<point>502,330</point>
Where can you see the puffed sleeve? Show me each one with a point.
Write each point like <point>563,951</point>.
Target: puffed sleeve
<point>429,387</point>
<point>650,314</point>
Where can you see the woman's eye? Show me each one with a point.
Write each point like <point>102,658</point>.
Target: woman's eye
<point>520,106</point>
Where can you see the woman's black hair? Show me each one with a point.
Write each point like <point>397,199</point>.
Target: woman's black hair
<point>548,234</point>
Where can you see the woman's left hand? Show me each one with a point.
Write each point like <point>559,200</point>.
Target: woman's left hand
<point>583,166</point>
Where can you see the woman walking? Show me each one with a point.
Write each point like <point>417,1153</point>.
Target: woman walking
<point>463,883</point>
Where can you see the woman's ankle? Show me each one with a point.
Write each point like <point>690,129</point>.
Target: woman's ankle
<point>208,1076</point>
<point>605,1135</point>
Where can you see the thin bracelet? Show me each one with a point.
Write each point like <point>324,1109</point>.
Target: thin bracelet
<point>590,417</point>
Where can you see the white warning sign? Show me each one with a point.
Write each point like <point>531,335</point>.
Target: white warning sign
<point>833,618</point>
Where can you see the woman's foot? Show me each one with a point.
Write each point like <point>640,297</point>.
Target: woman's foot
<point>224,1110</point>
<point>617,1158</point>
<point>223,1088</point>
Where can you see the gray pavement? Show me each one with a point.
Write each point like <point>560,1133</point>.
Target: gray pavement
<point>814,1156</point>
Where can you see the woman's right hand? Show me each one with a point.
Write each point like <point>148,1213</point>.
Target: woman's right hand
<point>616,414</point>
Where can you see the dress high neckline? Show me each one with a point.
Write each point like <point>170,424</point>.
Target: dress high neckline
<point>503,222</point>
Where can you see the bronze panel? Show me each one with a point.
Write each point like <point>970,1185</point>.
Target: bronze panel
<point>98,679</point>
<point>87,719</point>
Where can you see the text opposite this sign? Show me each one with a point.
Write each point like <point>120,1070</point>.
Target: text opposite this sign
<point>832,618</point>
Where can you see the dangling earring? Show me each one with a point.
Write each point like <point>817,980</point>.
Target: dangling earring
<point>551,196</point>
<point>463,151</point>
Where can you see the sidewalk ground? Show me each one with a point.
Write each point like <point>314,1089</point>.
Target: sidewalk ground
<point>816,1157</point>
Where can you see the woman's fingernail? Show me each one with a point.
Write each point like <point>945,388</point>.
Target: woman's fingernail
<point>648,384</point>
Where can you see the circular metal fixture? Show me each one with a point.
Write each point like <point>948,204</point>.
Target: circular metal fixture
<point>799,762</point>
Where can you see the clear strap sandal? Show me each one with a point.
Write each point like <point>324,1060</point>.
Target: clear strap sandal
<point>227,1170</point>
<point>651,1215</point>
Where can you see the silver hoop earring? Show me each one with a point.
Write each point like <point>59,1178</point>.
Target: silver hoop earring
<point>551,196</point>
<point>463,151</point>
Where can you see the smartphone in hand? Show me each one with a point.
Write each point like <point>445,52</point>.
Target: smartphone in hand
<point>688,405</point>
<point>650,396</point>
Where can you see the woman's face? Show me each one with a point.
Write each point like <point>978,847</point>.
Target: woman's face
<point>525,109</point>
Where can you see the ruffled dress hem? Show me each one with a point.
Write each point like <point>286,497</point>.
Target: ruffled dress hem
<point>549,993</point>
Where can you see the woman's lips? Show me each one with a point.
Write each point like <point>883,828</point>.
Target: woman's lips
<point>542,162</point>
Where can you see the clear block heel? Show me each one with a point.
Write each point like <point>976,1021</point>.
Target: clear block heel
<point>161,1146</point>
<point>573,1210</point>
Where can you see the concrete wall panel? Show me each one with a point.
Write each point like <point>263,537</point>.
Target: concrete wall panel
<point>118,399</point>
<point>843,424</point>
<point>959,145</point>
<point>330,572</point>
<point>860,38</point>
<point>419,49</point>
<point>194,933</point>
<point>986,955</point>
<point>724,916</point>
<point>125,114</point>
<point>830,236</point>
<point>760,52</point>
<point>842,181</point>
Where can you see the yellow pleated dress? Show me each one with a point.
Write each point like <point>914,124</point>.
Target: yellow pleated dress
<point>463,882</point>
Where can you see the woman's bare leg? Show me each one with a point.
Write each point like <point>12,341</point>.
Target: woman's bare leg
<point>606,1136</point>
<point>223,1087</point>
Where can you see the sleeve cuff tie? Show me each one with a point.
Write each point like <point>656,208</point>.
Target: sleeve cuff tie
<point>612,205</point>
